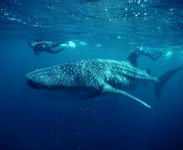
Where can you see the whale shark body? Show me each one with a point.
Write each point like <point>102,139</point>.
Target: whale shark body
<point>92,77</point>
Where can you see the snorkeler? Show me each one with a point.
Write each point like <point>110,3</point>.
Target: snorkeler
<point>138,52</point>
<point>48,46</point>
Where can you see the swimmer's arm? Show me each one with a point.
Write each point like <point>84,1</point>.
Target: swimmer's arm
<point>55,51</point>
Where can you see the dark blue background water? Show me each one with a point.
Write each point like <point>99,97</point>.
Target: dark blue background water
<point>30,120</point>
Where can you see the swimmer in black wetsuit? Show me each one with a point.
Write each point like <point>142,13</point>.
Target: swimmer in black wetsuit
<point>47,46</point>
<point>132,58</point>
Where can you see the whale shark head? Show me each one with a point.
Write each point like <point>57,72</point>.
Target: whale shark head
<point>65,81</point>
<point>43,78</point>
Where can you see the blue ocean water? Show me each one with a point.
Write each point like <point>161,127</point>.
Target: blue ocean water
<point>107,29</point>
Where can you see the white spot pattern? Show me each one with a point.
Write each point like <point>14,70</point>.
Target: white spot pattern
<point>90,73</point>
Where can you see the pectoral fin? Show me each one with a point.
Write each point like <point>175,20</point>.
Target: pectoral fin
<point>109,89</point>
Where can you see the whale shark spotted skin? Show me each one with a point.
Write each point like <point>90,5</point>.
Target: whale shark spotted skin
<point>100,75</point>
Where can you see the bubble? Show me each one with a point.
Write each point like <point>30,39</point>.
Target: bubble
<point>98,45</point>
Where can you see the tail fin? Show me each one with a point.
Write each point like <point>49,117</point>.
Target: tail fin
<point>163,79</point>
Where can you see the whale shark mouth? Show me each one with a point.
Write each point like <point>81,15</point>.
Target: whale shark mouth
<point>33,85</point>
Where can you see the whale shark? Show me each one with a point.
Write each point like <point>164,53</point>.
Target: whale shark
<point>92,77</point>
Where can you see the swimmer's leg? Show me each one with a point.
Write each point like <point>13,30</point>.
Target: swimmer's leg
<point>56,45</point>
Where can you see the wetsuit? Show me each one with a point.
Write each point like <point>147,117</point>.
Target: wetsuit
<point>45,46</point>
